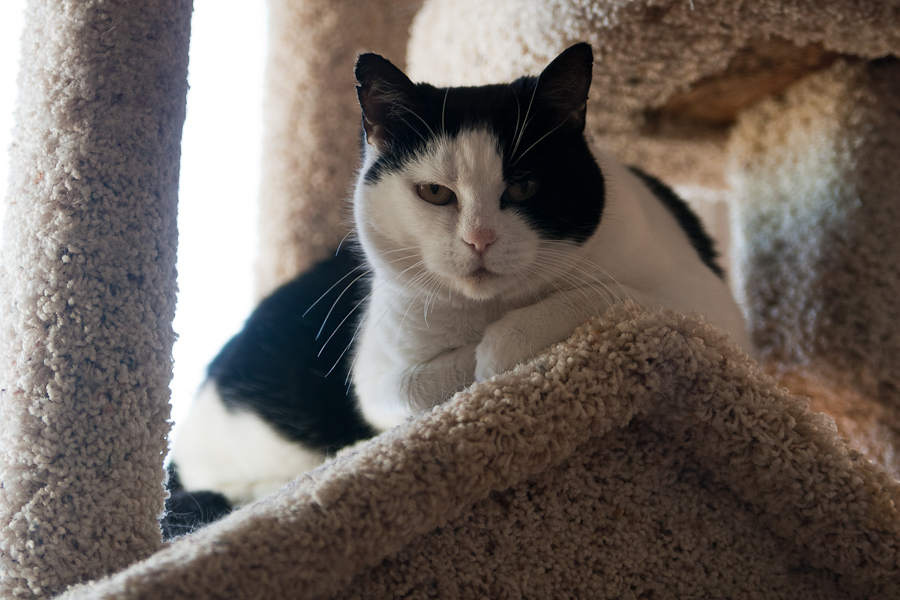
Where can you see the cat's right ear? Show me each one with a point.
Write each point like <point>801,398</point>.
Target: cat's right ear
<point>562,89</point>
<point>385,93</point>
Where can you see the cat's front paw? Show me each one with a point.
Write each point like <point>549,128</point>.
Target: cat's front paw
<point>500,351</point>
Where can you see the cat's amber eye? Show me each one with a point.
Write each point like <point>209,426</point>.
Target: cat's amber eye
<point>434,193</point>
<point>522,190</point>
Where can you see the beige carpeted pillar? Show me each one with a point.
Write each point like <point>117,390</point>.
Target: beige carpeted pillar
<point>311,140</point>
<point>818,244</point>
<point>87,289</point>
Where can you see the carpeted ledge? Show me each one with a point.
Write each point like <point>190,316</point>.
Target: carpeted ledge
<point>646,429</point>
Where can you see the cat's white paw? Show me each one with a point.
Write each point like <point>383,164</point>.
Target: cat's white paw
<point>501,349</point>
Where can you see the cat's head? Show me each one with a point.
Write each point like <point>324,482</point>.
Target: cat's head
<point>476,189</point>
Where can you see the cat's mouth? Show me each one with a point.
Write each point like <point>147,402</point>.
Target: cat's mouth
<point>482,283</point>
<point>480,274</point>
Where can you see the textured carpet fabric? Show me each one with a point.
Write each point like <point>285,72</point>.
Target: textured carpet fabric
<point>646,457</point>
<point>645,52</point>
<point>818,201</point>
<point>642,457</point>
<point>87,289</point>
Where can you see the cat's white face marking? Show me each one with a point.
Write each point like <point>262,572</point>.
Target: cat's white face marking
<point>467,246</point>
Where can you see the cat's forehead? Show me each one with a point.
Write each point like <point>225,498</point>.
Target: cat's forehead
<point>493,107</point>
<point>469,160</point>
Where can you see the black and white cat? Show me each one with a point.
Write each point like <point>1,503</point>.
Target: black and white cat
<point>490,230</point>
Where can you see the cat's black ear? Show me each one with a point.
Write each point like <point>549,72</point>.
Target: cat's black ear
<point>386,96</point>
<point>562,88</point>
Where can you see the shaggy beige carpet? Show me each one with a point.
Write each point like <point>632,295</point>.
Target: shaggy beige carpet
<point>643,458</point>
<point>87,289</point>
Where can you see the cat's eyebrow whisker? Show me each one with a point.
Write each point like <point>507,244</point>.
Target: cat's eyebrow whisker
<point>417,132</point>
<point>443,110</point>
<point>537,142</point>
<point>413,113</point>
<point>518,116</point>
<point>527,112</point>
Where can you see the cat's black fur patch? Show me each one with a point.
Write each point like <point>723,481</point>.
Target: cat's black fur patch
<point>539,123</point>
<point>686,218</point>
<point>188,511</point>
<point>274,368</point>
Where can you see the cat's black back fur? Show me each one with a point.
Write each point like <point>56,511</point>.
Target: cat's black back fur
<point>687,219</point>
<point>281,368</point>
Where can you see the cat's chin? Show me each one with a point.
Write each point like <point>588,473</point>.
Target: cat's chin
<point>482,284</point>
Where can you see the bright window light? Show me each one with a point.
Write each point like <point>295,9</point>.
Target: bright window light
<point>219,175</point>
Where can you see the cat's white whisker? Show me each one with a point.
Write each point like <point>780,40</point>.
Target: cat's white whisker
<point>518,116</point>
<point>573,282</point>
<point>341,295</point>
<point>549,254</point>
<point>416,115</point>
<point>383,312</point>
<point>443,111</point>
<point>346,288</point>
<point>518,158</point>
<point>375,289</point>
<point>601,269</point>
<point>344,239</point>
<point>334,285</point>
<point>416,131</point>
<point>415,281</point>
<point>347,316</point>
<point>527,112</point>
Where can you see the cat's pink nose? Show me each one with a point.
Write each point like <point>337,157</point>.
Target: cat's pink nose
<point>480,239</point>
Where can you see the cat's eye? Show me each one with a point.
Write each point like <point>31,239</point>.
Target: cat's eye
<point>434,193</point>
<point>521,190</point>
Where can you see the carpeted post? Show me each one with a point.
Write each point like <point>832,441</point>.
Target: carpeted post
<point>87,289</point>
<point>311,138</point>
<point>818,251</point>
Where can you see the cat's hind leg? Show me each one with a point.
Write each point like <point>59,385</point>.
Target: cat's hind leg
<point>234,452</point>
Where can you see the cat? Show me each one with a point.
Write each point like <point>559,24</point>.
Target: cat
<point>490,230</point>
<point>276,401</point>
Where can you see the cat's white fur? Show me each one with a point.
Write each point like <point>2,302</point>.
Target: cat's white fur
<point>235,453</point>
<point>436,321</point>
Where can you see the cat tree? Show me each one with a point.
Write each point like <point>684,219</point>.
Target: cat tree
<point>642,457</point>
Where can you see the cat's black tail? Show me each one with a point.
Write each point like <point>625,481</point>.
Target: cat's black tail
<point>188,511</point>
